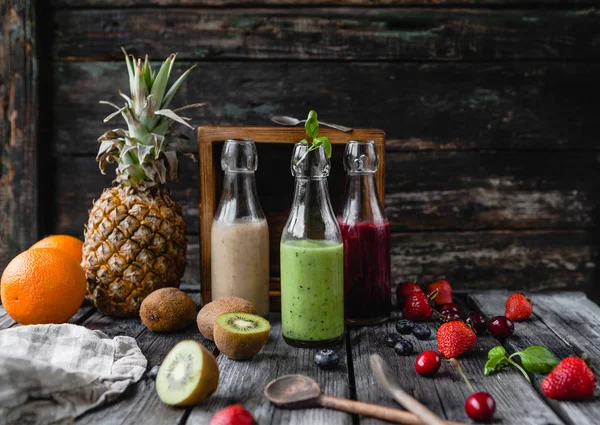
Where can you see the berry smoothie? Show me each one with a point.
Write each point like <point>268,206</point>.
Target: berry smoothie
<point>312,292</point>
<point>367,272</point>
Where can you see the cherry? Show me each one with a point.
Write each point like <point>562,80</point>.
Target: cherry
<point>448,306</point>
<point>501,327</point>
<point>428,363</point>
<point>448,316</point>
<point>477,322</point>
<point>480,406</point>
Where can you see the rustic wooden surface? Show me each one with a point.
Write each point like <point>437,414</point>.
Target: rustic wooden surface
<point>564,322</point>
<point>489,107</point>
<point>18,126</point>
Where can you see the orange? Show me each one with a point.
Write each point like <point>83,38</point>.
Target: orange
<point>66,243</point>
<point>42,285</point>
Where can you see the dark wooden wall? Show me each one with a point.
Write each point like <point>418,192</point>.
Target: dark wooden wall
<point>490,107</point>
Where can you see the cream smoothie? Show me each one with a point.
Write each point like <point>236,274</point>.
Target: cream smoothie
<point>240,261</point>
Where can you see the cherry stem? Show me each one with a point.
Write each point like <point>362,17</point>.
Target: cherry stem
<point>458,367</point>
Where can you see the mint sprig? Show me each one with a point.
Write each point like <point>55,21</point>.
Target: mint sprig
<point>535,359</point>
<point>312,131</point>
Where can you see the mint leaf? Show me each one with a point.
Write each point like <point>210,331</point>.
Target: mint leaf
<point>497,351</point>
<point>304,141</point>
<point>326,144</point>
<point>312,125</point>
<point>494,364</point>
<point>537,359</point>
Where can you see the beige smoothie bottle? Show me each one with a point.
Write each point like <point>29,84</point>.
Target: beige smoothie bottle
<point>240,235</point>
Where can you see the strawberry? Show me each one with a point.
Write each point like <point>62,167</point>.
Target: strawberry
<point>232,415</point>
<point>571,379</point>
<point>518,307</point>
<point>454,338</point>
<point>405,289</point>
<point>444,289</point>
<point>416,307</point>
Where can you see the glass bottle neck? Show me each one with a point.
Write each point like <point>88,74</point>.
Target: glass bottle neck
<point>239,199</point>
<point>361,200</point>
<point>312,215</point>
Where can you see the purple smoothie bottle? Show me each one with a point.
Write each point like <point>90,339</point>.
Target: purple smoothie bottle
<point>366,237</point>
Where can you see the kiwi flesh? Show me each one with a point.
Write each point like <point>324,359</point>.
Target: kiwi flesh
<point>240,335</point>
<point>209,313</point>
<point>188,375</point>
<point>167,310</point>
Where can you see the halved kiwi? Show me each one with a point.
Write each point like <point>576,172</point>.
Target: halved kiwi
<point>188,375</point>
<point>240,335</point>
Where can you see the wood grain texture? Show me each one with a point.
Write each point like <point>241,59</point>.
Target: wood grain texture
<point>566,324</point>
<point>517,401</point>
<point>244,382</point>
<point>328,34</point>
<point>225,3</point>
<point>425,191</point>
<point>18,124</point>
<point>421,106</point>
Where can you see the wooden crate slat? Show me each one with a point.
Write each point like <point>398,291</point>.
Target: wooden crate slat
<point>224,3</point>
<point>421,106</point>
<point>244,382</point>
<point>18,129</point>
<point>550,329</point>
<point>327,33</point>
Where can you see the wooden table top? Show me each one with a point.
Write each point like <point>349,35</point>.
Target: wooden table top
<point>567,323</point>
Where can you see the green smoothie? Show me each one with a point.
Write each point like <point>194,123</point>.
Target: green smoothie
<point>312,291</point>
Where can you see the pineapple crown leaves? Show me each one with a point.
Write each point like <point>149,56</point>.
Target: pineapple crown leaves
<point>147,150</point>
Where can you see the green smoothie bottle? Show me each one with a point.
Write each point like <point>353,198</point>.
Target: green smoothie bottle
<point>312,257</point>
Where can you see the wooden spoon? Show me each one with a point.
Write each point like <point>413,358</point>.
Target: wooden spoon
<point>299,391</point>
<point>385,378</point>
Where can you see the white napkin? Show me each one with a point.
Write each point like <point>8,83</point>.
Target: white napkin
<point>54,373</point>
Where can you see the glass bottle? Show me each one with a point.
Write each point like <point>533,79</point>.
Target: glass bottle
<point>366,235</point>
<point>240,235</point>
<point>312,258</point>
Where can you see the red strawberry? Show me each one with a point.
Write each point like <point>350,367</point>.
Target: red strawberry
<point>444,295</point>
<point>405,289</point>
<point>232,415</point>
<point>518,307</point>
<point>416,307</point>
<point>571,379</point>
<point>454,338</point>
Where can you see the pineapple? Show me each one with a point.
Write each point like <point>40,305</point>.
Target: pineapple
<point>135,237</point>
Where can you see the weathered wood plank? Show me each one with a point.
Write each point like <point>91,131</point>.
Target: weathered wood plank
<point>424,191</point>
<point>328,33</point>
<point>216,3</point>
<point>244,382</point>
<point>427,106</point>
<point>517,401</point>
<point>566,325</point>
<point>18,121</point>
<point>140,404</point>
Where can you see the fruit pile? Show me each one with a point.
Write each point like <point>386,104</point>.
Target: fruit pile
<point>457,334</point>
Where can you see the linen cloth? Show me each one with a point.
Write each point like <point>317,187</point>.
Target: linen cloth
<point>50,374</point>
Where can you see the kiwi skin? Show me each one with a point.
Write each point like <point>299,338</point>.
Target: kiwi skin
<point>209,313</point>
<point>240,345</point>
<point>208,380</point>
<point>167,310</point>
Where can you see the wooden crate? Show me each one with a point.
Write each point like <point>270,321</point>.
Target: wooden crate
<point>275,183</point>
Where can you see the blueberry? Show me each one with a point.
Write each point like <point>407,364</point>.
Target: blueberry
<point>405,326</point>
<point>153,372</point>
<point>403,348</point>
<point>392,339</point>
<point>422,332</point>
<point>327,359</point>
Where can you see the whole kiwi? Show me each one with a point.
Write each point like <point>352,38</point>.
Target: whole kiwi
<point>209,313</point>
<point>167,310</point>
